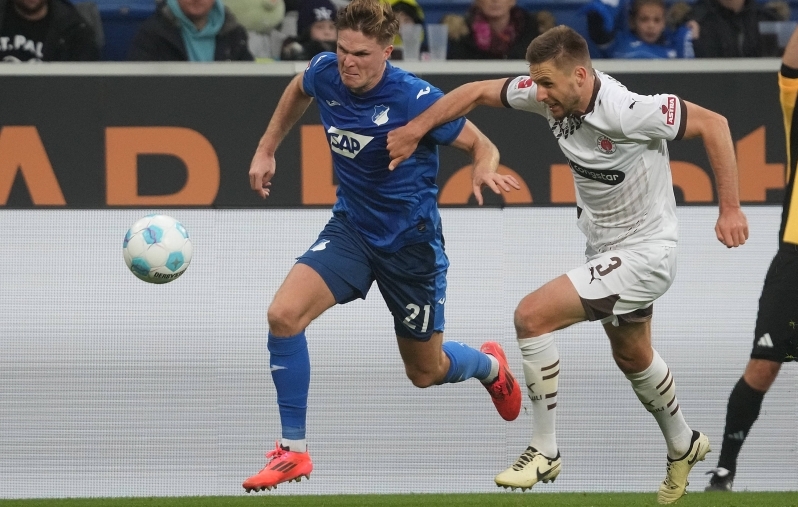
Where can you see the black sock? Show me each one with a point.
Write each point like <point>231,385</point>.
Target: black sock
<point>741,413</point>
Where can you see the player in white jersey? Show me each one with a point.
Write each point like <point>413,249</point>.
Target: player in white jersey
<point>616,145</point>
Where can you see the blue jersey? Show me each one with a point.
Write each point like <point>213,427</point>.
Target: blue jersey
<point>390,209</point>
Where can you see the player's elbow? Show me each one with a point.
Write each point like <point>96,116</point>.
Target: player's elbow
<point>710,122</point>
<point>719,122</point>
<point>715,124</point>
<point>705,123</point>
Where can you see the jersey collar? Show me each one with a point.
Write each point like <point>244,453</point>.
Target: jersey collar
<point>592,104</point>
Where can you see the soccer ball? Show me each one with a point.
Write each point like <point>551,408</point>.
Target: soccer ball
<point>157,249</point>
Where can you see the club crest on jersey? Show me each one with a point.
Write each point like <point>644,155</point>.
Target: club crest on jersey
<point>347,143</point>
<point>380,116</point>
<point>605,145</point>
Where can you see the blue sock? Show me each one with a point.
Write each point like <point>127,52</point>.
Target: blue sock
<point>465,363</point>
<point>290,367</point>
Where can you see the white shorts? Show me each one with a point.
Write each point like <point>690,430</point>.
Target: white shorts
<point>620,286</point>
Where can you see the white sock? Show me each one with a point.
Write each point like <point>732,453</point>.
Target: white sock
<point>656,390</point>
<point>494,370</point>
<point>295,445</point>
<point>541,373</point>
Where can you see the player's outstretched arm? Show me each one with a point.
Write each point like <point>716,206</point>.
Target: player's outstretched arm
<point>486,162</point>
<point>403,141</point>
<point>732,226</point>
<point>290,108</point>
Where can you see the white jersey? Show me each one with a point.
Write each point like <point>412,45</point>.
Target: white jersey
<point>618,155</point>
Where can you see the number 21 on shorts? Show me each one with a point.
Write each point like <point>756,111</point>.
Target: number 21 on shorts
<point>415,310</point>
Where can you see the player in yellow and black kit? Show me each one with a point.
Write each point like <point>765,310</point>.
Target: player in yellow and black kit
<point>776,332</point>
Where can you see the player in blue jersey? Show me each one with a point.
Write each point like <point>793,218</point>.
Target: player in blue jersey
<point>385,227</point>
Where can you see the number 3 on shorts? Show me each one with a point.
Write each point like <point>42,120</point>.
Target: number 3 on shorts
<point>414,311</point>
<point>616,262</point>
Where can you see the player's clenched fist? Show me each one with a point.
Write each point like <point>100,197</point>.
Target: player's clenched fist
<point>261,172</point>
<point>732,227</point>
<point>402,142</point>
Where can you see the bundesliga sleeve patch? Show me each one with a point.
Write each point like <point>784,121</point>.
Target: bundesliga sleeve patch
<point>524,83</point>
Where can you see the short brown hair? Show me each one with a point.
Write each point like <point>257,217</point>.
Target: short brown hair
<point>561,44</point>
<point>372,18</point>
<point>634,8</point>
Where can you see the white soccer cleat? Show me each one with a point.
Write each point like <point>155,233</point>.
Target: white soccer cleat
<point>529,469</point>
<point>675,483</point>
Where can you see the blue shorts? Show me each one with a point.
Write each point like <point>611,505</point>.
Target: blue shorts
<point>412,280</point>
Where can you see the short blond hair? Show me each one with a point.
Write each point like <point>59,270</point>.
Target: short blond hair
<point>372,18</point>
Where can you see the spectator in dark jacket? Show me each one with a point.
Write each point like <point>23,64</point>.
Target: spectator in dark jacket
<point>497,29</point>
<point>191,30</point>
<point>730,28</point>
<point>45,30</point>
<point>315,31</point>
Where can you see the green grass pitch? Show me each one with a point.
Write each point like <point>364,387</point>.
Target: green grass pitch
<point>742,499</point>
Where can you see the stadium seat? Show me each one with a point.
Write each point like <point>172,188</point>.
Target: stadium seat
<point>121,20</point>
<point>91,14</point>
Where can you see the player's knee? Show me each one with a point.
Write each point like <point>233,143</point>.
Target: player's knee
<point>760,374</point>
<point>629,363</point>
<point>421,378</point>
<point>284,320</point>
<point>527,323</point>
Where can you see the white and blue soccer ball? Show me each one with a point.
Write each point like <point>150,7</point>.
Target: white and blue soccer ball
<point>157,249</point>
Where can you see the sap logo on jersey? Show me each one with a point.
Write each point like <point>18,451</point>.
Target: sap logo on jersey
<point>347,143</point>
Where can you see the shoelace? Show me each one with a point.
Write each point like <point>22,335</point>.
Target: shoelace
<point>667,480</point>
<point>274,454</point>
<point>526,457</point>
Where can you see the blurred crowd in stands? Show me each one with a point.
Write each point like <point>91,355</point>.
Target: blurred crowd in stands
<point>270,30</point>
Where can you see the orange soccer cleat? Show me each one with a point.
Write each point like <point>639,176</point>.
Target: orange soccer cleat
<point>504,390</point>
<point>283,466</point>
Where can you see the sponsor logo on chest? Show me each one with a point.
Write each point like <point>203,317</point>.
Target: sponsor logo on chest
<point>608,177</point>
<point>347,143</point>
